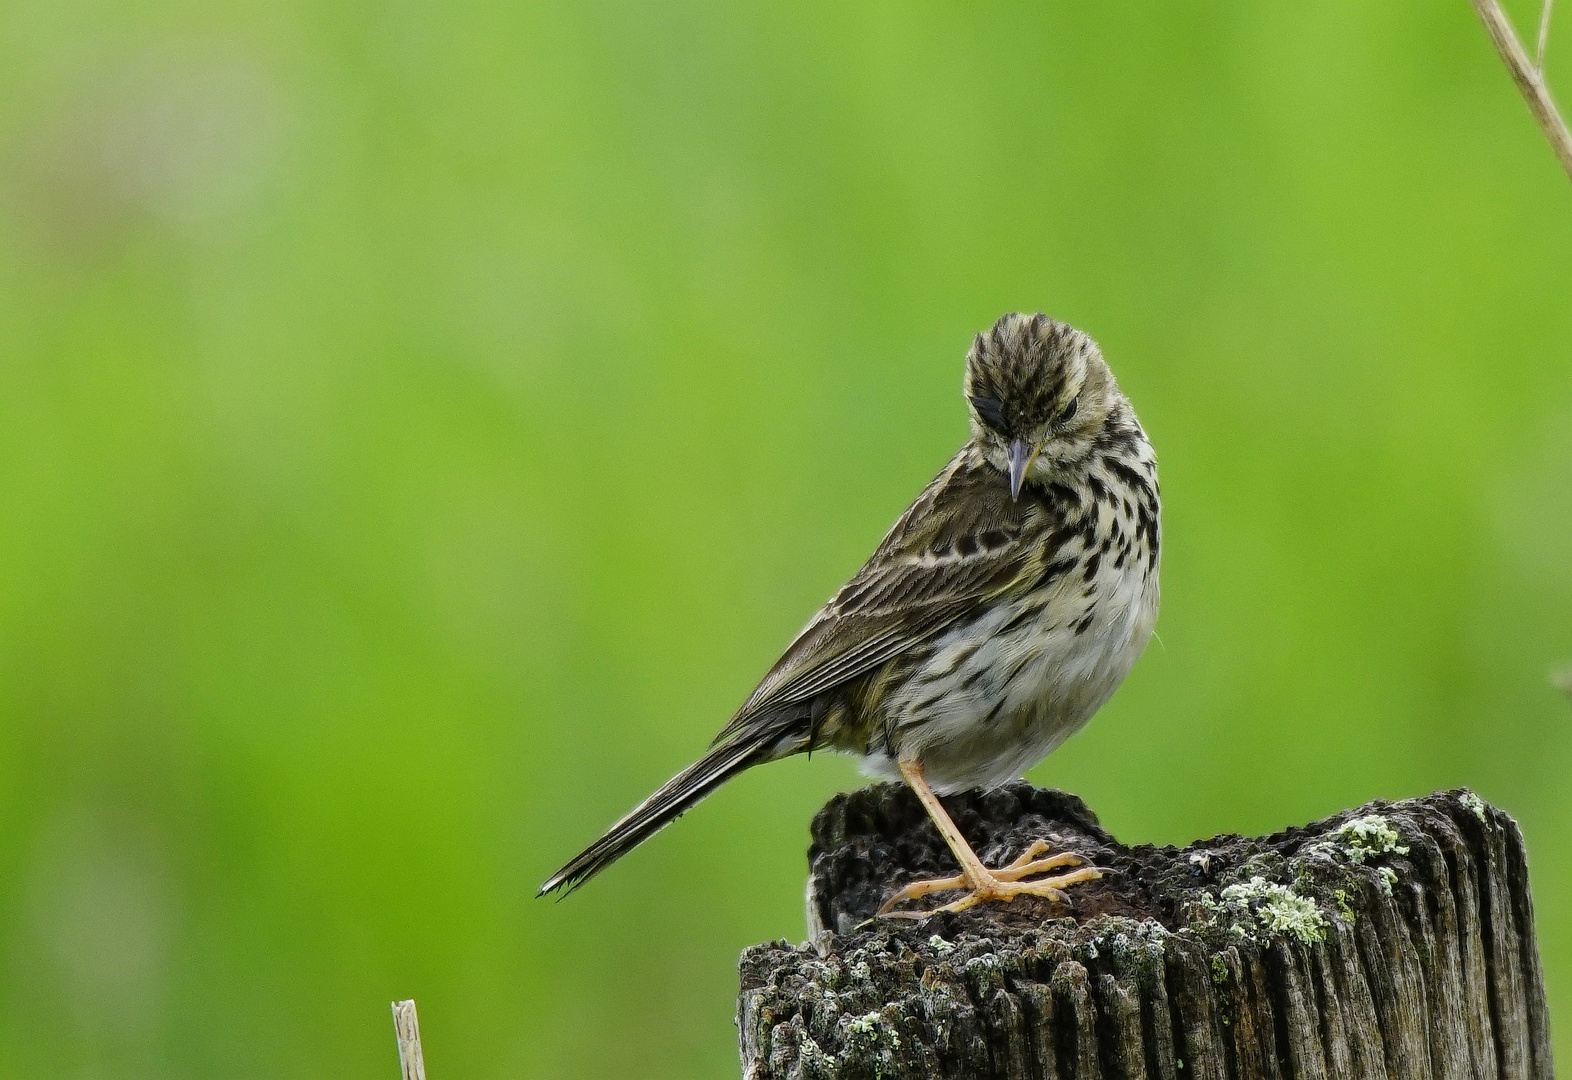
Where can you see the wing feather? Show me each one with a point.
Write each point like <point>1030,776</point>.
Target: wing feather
<point>961,545</point>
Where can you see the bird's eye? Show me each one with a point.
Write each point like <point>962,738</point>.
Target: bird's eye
<point>990,412</point>
<point>1069,410</point>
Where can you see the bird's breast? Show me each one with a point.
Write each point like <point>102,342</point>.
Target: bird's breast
<point>998,693</point>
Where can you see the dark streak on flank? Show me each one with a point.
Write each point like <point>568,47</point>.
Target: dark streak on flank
<point>1135,480</point>
<point>1065,495</point>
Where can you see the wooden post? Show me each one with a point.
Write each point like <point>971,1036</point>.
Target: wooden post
<point>1395,941</point>
<point>406,1025</point>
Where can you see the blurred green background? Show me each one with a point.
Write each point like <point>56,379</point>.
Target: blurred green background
<point>421,423</point>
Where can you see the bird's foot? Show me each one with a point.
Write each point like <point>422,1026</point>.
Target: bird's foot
<point>1002,884</point>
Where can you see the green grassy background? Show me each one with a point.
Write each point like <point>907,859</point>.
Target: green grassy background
<point>421,423</point>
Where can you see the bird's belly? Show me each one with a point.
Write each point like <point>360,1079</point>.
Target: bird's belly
<point>1000,693</point>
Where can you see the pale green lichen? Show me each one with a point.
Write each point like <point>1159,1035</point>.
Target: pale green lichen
<point>1133,940</point>
<point>1370,835</point>
<point>1344,908</point>
<point>871,1026</point>
<point>813,1061</point>
<point>1474,804</point>
<point>1279,908</point>
<point>869,1041</point>
<point>939,945</point>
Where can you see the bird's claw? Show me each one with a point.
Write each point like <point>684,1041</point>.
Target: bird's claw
<point>1003,884</point>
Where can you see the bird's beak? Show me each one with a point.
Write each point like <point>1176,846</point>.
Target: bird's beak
<point>1021,458</point>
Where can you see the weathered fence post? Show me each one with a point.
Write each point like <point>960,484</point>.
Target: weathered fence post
<point>1393,941</point>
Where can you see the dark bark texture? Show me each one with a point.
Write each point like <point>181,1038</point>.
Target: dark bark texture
<point>1394,941</point>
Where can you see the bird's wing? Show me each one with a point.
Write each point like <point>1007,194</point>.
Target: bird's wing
<point>962,544</point>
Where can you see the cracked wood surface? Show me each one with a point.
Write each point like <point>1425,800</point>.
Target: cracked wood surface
<point>1394,941</point>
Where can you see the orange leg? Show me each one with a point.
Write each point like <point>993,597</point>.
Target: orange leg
<point>982,884</point>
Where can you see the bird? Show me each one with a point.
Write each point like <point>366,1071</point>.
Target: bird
<point>998,614</point>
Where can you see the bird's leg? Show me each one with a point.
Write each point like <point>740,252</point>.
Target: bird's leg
<point>983,884</point>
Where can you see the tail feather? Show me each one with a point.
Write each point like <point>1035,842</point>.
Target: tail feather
<point>675,798</point>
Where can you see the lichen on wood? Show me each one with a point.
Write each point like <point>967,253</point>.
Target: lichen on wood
<point>1395,941</point>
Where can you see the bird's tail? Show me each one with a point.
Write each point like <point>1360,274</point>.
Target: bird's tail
<point>678,795</point>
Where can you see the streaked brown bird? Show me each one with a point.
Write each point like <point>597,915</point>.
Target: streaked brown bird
<point>997,616</point>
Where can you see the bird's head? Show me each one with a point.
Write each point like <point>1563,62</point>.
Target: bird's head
<point>1038,392</point>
